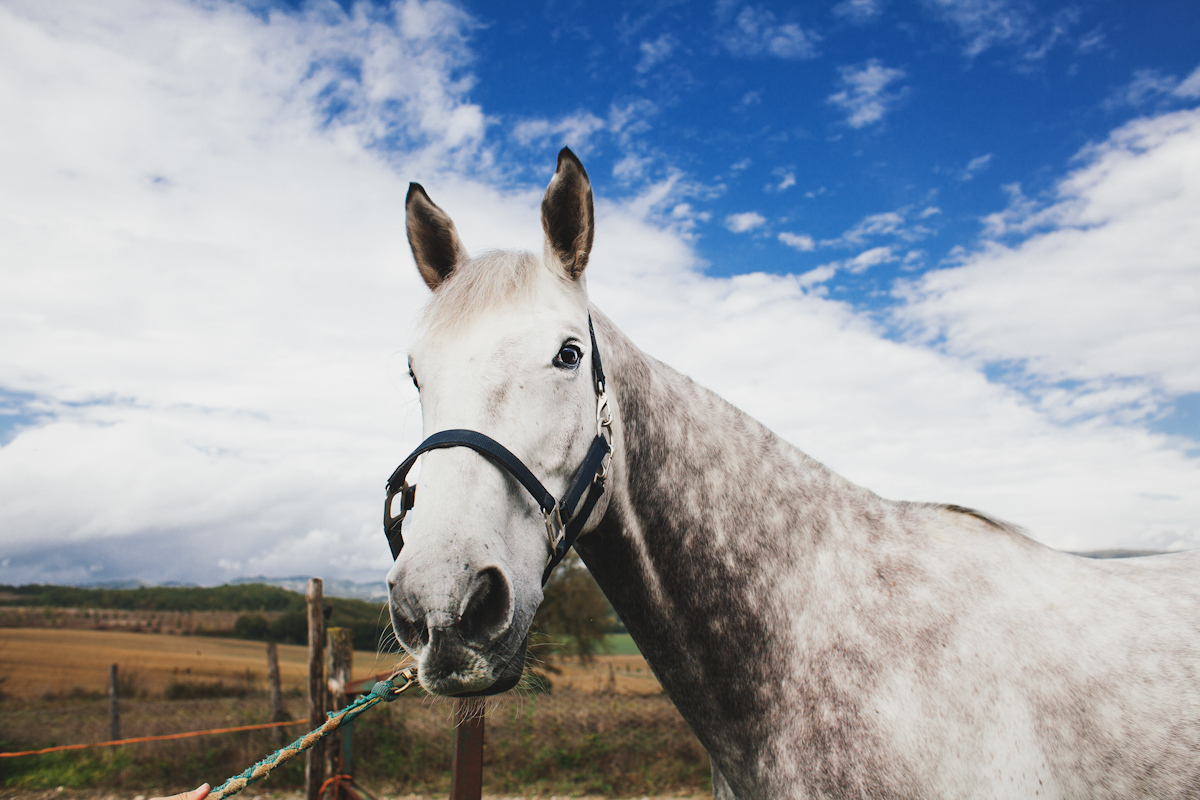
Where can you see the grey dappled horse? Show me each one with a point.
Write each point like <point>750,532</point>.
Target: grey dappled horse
<point>821,641</point>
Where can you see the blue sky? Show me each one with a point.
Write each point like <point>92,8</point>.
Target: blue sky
<point>818,116</point>
<point>947,247</point>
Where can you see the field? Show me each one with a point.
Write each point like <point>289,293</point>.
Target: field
<point>39,661</point>
<point>605,729</point>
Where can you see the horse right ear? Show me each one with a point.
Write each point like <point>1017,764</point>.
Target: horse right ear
<point>434,240</point>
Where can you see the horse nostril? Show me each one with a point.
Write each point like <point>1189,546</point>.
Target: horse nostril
<point>487,612</point>
<point>412,634</point>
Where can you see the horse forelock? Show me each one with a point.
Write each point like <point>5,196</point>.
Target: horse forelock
<point>494,278</point>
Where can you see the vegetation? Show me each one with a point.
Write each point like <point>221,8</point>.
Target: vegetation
<point>230,597</point>
<point>568,743</point>
<point>575,616</point>
<point>272,614</point>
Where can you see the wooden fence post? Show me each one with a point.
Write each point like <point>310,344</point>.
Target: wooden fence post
<point>467,781</point>
<point>314,762</point>
<point>341,664</point>
<point>114,708</point>
<point>278,714</point>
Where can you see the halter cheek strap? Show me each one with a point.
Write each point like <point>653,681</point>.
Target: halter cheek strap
<point>564,518</point>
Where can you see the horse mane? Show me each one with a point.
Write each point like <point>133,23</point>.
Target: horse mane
<point>979,515</point>
<point>493,278</point>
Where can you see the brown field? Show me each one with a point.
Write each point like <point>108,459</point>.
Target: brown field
<point>606,730</point>
<point>38,661</point>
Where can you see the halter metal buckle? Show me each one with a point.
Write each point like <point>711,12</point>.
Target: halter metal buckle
<point>554,528</point>
<point>604,418</point>
<point>405,494</point>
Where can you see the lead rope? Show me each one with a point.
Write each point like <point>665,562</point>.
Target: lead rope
<point>384,691</point>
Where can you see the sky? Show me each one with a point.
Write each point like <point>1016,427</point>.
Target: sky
<point>947,247</point>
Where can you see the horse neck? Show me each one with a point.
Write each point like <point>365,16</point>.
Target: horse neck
<point>712,525</point>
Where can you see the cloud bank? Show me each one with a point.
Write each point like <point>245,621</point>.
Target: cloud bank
<point>208,296</point>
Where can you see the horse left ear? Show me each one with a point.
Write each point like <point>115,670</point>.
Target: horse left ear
<point>432,236</point>
<point>567,215</point>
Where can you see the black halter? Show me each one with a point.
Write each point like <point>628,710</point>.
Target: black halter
<point>564,518</point>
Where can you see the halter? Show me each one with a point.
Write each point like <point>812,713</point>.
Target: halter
<point>564,518</point>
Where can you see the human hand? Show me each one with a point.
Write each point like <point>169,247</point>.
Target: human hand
<point>196,794</point>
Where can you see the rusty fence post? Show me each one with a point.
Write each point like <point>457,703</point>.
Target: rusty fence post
<point>467,782</point>
<point>314,761</point>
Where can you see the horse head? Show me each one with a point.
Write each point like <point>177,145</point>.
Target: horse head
<point>503,350</point>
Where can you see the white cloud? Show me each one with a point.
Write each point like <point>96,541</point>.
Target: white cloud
<point>864,96</point>
<point>208,289</point>
<point>753,31</point>
<point>870,258</point>
<point>799,241</point>
<point>204,269</point>
<point>1100,295</point>
<point>787,180</point>
<point>746,221</point>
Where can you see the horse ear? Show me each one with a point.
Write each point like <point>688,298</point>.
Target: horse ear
<point>567,215</point>
<point>431,234</point>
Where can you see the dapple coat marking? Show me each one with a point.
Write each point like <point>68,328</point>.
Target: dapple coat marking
<point>820,640</point>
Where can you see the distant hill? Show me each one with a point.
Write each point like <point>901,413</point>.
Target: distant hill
<point>333,587</point>
<point>246,610</point>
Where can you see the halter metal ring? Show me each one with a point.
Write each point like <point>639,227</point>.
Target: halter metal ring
<point>554,527</point>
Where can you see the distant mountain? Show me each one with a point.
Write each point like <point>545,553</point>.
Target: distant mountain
<point>333,587</point>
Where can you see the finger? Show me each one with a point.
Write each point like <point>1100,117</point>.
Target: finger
<point>198,793</point>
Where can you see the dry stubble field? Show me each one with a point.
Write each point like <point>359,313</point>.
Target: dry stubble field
<point>606,729</point>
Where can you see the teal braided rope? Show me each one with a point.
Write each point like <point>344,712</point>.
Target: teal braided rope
<point>383,691</point>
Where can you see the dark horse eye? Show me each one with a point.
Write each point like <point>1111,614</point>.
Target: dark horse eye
<point>413,375</point>
<point>569,357</point>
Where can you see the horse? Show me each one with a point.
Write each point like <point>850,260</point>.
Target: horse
<point>821,641</point>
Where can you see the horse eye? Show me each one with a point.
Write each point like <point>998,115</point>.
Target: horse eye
<point>413,375</point>
<point>568,357</point>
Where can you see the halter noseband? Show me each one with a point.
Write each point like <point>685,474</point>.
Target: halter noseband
<point>564,518</point>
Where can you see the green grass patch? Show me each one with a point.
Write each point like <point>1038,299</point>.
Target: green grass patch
<point>620,644</point>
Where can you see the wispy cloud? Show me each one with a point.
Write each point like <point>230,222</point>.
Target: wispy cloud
<point>755,31</point>
<point>655,52</point>
<point>859,11</point>
<point>975,166</point>
<point>1119,232</point>
<point>744,222</point>
<point>786,180</point>
<point>1150,86</point>
<point>985,24</point>
<point>574,130</point>
<point>864,94</point>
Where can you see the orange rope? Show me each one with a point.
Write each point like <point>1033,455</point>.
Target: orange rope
<point>154,738</point>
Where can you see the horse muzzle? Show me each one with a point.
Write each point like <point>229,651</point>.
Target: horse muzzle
<point>478,648</point>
